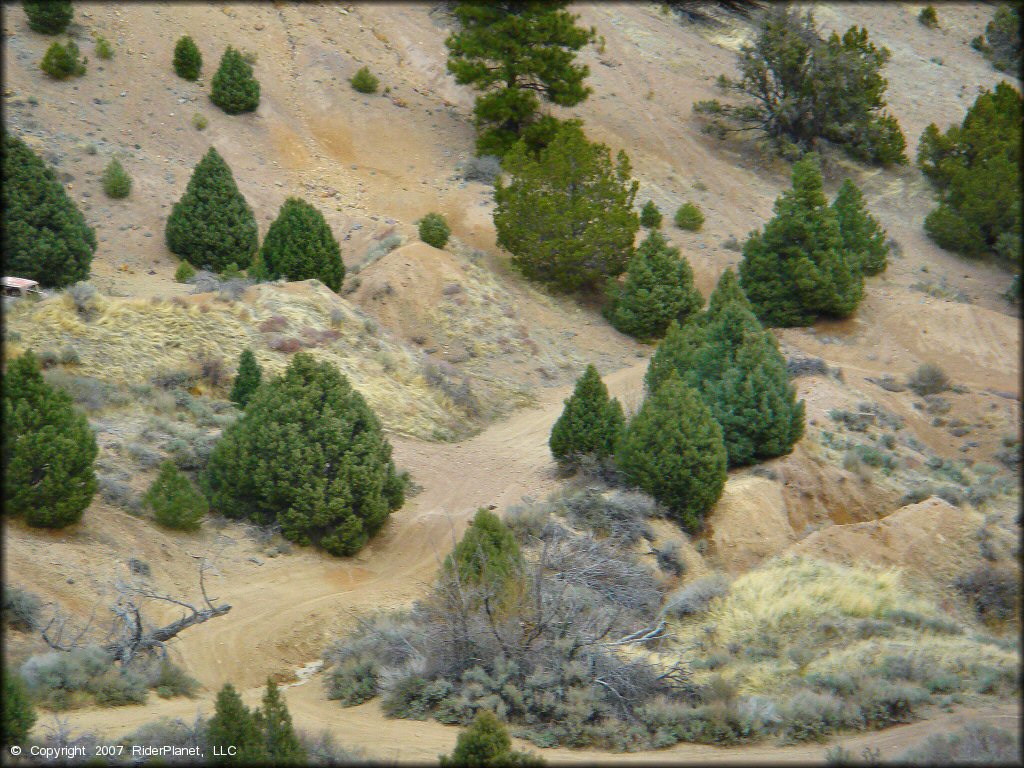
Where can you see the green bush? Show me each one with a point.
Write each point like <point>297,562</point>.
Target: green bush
<point>184,272</point>
<point>309,455</point>
<point>300,246</point>
<point>48,450</point>
<point>45,236</point>
<point>212,225</point>
<point>234,726</point>
<point>590,424</point>
<point>247,380</point>
<point>364,81</point>
<point>103,48</point>
<point>50,17</point>
<point>434,230</point>
<point>486,554</point>
<point>486,743</point>
<point>796,269</point>
<point>928,17</point>
<point>658,290</point>
<point>199,121</point>
<point>19,715</point>
<point>567,216</point>
<point>689,217</point>
<point>280,742</point>
<point>975,168</point>
<point>172,681</point>
<point>116,181</point>
<point>352,682</point>
<point>863,238</point>
<point>61,61</point>
<point>175,503</point>
<point>234,89</point>
<point>673,450</point>
<point>1002,39</point>
<point>650,216</point>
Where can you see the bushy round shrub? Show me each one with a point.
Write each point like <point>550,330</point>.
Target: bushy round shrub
<point>434,230</point>
<point>62,61</point>
<point>175,503</point>
<point>300,246</point>
<point>188,62</point>
<point>184,272</point>
<point>104,50</point>
<point>49,17</point>
<point>689,217</point>
<point>234,89</point>
<point>364,81</point>
<point>116,181</point>
<point>650,216</point>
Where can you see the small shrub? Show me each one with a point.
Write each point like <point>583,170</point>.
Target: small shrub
<point>103,48</point>
<point>695,597</point>
<point>485,168</point>
<point>434,230</point>
<point>199,121</point>
<point>689,217</point>
<point>174,501</point>
<point>975,743</point>
<point>994,592</point>
<point>172,681</point>
<point>352,682</point>
<point>61,61</point>
<point>928,17</point>
<point>184,272</point>
<point>650,216</point>
<point>21,608</point>
<point>364,82</point>
<point>234,88</point>
<point>928,379</point>
<point>116,181</point>
<point>187,60</point>
<point>49,17</point>
<point>669,559</point>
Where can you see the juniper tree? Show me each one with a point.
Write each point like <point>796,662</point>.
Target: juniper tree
<point>116,181</point>
<point>486,743</point>
<point>62,61</point>
<point>50,17</point>
<point>48,450</point>
<point>486,555</point>
<point>515,54</point>
<point>740,374</point>
<point>567,218</point>
<point>434,230</point>
<point>976,169</point>
<point>212,225</point>
<point>45,236</point>
<point>673,450</point>
<point>234,89</point>
<point>300,246</point>
<point>281,746</point>
<point>863,237</point>
<point>309,455</point>
<point>188,61</point>
<point>247,380</point>
<point>658,289</point>
<point>590,425</point>
<point>650,216</point>
<point>19,715</point>
<point>233,725</point>
<point>796,268</point>
<point>175,502</point>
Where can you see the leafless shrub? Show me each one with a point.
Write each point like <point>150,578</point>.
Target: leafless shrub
<point>285,344</point>
<point>485,168</point>
<point>928,379</point>
<point>695,597</point>
<point>273,324</point>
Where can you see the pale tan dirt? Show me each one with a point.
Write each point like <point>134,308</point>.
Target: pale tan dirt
<point>376,164</point>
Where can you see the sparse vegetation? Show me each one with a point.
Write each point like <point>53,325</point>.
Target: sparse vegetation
<point>212,225</point>
<point>311,411</point>
<point>434,230</point>
<point>116,181</point>
<point>104,50</point>
<point>364,81</point>
<point>485,168</point>
<point>21,608</point>
<point>48,17</point>
<point>45,236</point>
<point>567,218</point>
<point>689,217</point>
<point>48,450</point>
<point>300,246</point>
<point>234,89</point>
<point>1001,41</point>
<point>976,743</point>
<point>187,59</point>
<point>590,424</point>
<point>62,61</point>
<point>515,57</point>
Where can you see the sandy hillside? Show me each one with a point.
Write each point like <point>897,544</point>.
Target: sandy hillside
<point>374,165</point>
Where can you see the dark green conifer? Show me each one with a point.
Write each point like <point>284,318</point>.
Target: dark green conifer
<point>175,502</point>
<point>486,744</point>
<point>247,380</point>
<point>234,726</point>
<point>281,745</point>
<point>212,225</point>
<point>590,425</point>
<point>863,237</point>
<point>234,89</point>
<point>49,17</point>
<point>487,555</point>
<point>188,61</point>
<point>658,289</point>
<point>45,236</point>
<point>650,216</point>
<point>19,715</point>
<point>300,246</point>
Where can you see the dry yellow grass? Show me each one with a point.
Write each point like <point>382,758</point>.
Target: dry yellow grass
<point>130,340</point>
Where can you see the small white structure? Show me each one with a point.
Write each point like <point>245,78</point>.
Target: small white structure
<point>20,287</point>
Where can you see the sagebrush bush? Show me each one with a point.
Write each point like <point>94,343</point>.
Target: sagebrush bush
<point>486,168</point>
<point>928,17</point>
<point>199,121</point>
<point>62,61</point>
<point>974,743</point>
<point>994,592</point>
<point>21,608</point>
<point>689,217</point>
<point>116,181</point>
<point>61,680</point>
<point>928,379</point>
<point>694,598</point>
<point>434,230</point>
<point>364,81</point>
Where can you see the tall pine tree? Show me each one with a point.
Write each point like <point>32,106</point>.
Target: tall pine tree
<point>863,237</point>
<point>796,269</point>
<point>48,450</point>
<point>309,455</point>
<point>45,236</point>
<point>516,53</point>
<point>234,726</point>
<point>281,745</point>
<point>247,380</point>
<point>234,89</point>
<point>590,425</point>
<point>567,218</point>
<point>658,289</point>
<point>673,450</point>
<point>299,245</point>
<point>212,225</point>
